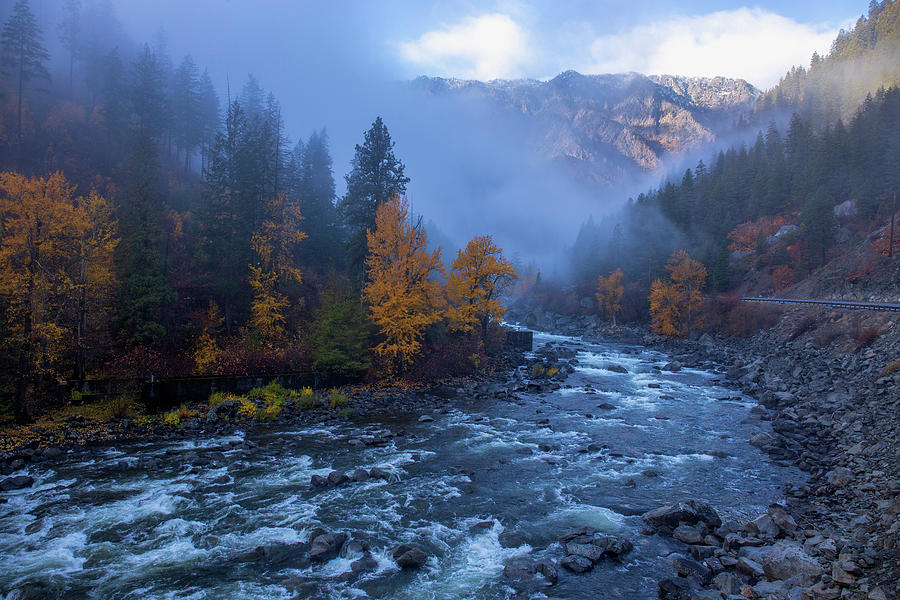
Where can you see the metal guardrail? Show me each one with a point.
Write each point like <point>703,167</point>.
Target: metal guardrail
<point>848,304</point>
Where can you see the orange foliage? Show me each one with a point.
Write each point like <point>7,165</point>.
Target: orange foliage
<point>665,308</point>
<point>745,237</point>
<point>403,296</point>
<point>675,305</point>
<point>882,247</point>
<point>609,294</point>
<point>689,276</point>
<point>782,277</point>
<point>478,275</point>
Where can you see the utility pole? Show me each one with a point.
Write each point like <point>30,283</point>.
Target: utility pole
<point>893,212</point>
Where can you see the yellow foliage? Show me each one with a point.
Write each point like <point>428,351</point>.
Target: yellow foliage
<point>478,275</point>
<point>219,397</point>
<point>174,418</point>
<point>273,245</point>
<point>56,269</point>
<point>206,352</point>
<point>247,408</point>
<point>609,294</point>
<point>403,296</point>
<point>665,308</point>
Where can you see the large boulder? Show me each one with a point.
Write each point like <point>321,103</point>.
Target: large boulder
<point>784,560</point>
<point>687,512</point>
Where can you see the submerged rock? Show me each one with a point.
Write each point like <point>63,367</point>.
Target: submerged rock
<point>576,563</point>
<point>326,546</point>
<point>413,558</point>
<point>17,482</point>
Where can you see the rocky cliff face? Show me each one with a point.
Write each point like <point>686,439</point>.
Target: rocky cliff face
<point>607,127</point>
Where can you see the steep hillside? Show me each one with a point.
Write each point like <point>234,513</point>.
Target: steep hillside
<point>607,127</point>
<point>860,62</point>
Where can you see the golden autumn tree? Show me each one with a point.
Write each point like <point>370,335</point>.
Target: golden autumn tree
<point>56,275</point>
<point>665,308</point>
<point>675,305</point>
<point>478,276</point>
<point>402,292</point>
<point>609,294</point>
<point>275,268</point>
<point>689,276</point>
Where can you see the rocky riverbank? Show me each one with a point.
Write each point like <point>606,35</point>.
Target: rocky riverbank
<point>834,414</point>
<point>56,436</point>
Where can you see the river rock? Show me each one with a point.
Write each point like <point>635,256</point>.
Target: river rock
<point>519,569</point>
<point>412,559</point>
<point>548,569</point>
<point>17,482</point>
<point>616,368</point>
<point>223,410</point>
<point>509,539</point>
<point>283,555</point>
<point>589,551</point>
<point>688,534</point>
<point>688,512</point>
<point>750,567</point>
<point>691,568</point>
<point>366,563</point>
<point>764,526</point>
<point>326,546</point>
<point>318,481</point>
<point>727,583</point>
<point>784,560</point>
<point>337,478</point>
<point>576,563</point>
<point>359,475</point>
<point>673,366</point>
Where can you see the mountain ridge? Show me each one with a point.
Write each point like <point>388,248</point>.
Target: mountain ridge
<point>608,127</point>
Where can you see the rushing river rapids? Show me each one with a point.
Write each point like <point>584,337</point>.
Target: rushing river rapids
<point>182,520</point>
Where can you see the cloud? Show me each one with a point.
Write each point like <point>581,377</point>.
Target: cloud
<point>490,46</point>
<point>750,43</point>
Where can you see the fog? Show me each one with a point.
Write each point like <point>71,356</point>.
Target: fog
<point>473,170</point>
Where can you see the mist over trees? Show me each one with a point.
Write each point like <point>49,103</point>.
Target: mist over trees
<point>146,233</point>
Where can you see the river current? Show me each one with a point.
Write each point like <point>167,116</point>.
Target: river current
<point>178,520</point>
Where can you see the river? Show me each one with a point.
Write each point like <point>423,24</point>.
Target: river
<point>182,520</point>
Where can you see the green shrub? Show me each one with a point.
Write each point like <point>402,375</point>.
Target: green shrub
<point>120,407</point>
<point>538,371</point>
<point>271,392</point>
<point>247,409</point>
<point>336,399</point>
<point>308,398</point>
<point>271,411</point>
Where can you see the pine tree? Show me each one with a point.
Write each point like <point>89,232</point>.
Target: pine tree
<point>148,94</point>
<point>70,33</point>
<point>210,117</point>
<point>376,176</point>
<point>23,54</point>
<point>315,189</point>
<point>186,108</point>
<point>144,294</point>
